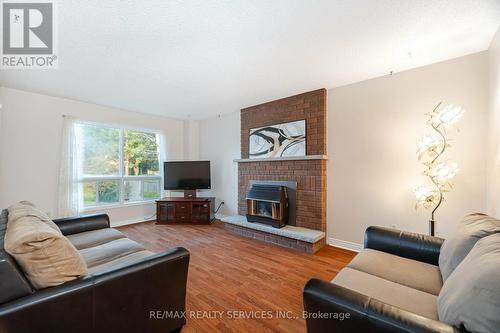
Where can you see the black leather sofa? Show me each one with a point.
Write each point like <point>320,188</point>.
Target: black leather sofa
<point>381,299</point>
<point>119,294</point>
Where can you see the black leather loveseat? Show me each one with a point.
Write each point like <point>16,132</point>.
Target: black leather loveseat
<point>120,293</point>
<point>391,286</point>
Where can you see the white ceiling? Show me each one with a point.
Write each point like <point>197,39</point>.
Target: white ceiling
<point>202,58</point>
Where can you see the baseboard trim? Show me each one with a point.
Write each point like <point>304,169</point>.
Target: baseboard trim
<point>345,244</point>
<point>127,222</point>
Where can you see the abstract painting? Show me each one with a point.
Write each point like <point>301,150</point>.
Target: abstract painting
<point>281,140</point>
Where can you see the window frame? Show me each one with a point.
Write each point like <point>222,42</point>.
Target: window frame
<point>82,178</point>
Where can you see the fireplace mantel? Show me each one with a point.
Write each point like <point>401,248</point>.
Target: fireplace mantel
<point>278,159</point>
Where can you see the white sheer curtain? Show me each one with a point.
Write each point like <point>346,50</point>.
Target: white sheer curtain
<point>163,158</point>
<point>69,192</point>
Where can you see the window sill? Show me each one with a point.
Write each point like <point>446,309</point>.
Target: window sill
<point>118,205</point>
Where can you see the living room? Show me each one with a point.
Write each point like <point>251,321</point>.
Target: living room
<point>281,166</point>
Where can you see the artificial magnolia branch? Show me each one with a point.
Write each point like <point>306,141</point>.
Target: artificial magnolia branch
<point>430,151</point>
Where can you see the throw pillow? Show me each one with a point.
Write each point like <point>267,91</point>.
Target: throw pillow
<point>26,208</point>
<point>470,298</point>
<point>45,255</point>
<point>472,228</point>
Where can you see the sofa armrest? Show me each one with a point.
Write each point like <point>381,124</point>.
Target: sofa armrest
<point>117,300</point>
<point>360,313</point>
<point>77,224</point>
<point>144,293</point>
<point>410,245</point>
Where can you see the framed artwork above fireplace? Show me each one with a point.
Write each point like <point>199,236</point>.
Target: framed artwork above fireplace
<point>280,140</point>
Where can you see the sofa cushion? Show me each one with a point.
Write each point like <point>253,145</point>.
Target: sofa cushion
<point>455,248</point>
<point>92,238</point>
<point>389,292</point>
<point>44,254</point>
<point>104,253</point>
<point>470,296</point>
<point>127,260</point>
<point>408,272</point>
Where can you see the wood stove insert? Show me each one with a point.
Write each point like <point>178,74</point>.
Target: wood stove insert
<point>268,204</point>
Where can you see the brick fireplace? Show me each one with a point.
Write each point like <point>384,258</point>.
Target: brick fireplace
<point>311,187</point>
<point>309,172</point>
<point>310,175</point>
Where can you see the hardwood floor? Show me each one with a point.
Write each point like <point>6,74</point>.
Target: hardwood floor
<point>231,273</point>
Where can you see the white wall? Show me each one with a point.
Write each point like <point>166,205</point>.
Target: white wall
<point>220,143</point>
<point>372,131</point>
<point>493,203</point>
<point>30,140</point>
<point>191,140</point>
<point>1,131</point>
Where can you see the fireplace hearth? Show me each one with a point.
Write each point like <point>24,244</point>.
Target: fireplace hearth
<point>268,204</point>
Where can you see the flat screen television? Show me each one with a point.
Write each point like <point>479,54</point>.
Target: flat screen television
<point>186,175</point>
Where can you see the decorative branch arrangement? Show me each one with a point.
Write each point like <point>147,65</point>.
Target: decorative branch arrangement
<point>430,151</point>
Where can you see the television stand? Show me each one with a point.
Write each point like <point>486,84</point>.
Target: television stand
<point>174,210</point>
<point>190,194</point>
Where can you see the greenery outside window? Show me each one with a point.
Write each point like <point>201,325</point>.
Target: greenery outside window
<point>117,165</point>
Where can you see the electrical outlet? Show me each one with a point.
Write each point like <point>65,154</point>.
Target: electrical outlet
<point>222,202</point>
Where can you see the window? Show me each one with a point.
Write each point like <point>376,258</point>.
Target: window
<point>117,165</point>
